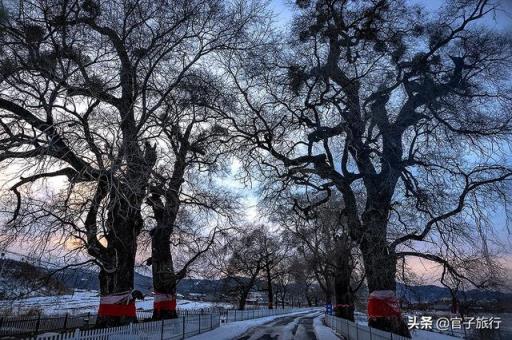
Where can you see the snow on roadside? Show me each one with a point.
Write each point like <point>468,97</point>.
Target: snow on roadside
<point>81,301</point>
<point>235,329</point>
<point>361,319</point>
<point>322,331</point>
<point>426,335</point>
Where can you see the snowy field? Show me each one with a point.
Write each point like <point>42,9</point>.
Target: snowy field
<point>82,301</point>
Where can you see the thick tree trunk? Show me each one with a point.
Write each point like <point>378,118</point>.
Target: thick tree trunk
<point>380,268</point>
<point>164,277</point>
<point>117,305</point>
<point>329,289</point>
<point>344,307</point>
<point>123,225</point>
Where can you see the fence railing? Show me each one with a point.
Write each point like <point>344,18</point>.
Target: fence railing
<point>239,315</point>
<point>18,326</point>
<point>30,326</point>
<point>353,331</point>
<point>180,328</point>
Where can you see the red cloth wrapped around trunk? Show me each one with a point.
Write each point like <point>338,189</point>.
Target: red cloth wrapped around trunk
<point>121,304</point>
<point>383,303</point>
<point>165,302</point>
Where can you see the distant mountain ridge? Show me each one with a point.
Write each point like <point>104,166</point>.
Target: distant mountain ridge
<point>82,278</point>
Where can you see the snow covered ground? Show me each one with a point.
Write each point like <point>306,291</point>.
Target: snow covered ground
<point>426,335</point>
<point>322,331</point>
<point>290,326</point>
<point>235,329</point>
<point>81,301</point>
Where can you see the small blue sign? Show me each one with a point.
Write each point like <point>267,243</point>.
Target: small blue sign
<point>328,309</point>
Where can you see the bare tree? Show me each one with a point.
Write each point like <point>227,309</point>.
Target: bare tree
<point>275,251</point>
<point>409,108</point>
<point>241,260</point>
<point>323,241</point>
<point>82,87</point>
<point>305,281</point>
<point>196,143</point>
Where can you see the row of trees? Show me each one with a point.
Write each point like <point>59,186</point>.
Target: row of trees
<point>112,98</point>
<point>377,131</point>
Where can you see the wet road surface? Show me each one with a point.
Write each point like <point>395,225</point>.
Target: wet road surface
<point>296,327</point>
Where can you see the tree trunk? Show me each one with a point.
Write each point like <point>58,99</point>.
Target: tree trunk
<point>344,307</point>
<point>269,288</point>
<point>164,278</point>
<point>329,290</point>
<point>308,298</point>
<point>117,305</point>
<point>380,268</point>
<point>283,296</point>
<point>243,299</point>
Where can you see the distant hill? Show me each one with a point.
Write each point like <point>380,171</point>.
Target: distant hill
<point>439,298</point>
<point>18,276</point>
<point>431,293</point>
<point>81,278</point>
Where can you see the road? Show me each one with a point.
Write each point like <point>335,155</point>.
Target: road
<point>296,327</point>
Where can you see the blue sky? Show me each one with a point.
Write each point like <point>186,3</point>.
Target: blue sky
<point>284,11</point>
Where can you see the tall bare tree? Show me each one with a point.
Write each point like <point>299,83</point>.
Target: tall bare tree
<point>196,143</point>
<point>241,260</point>
<point>325,246</point>
<point>408,108</point>
<point>81,86</point>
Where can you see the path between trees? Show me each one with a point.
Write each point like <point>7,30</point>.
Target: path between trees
<point>297,327</point>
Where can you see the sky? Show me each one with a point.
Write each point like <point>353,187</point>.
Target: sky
<point>503,20</point>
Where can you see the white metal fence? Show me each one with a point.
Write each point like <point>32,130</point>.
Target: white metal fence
<point>353,331</point>
<point>29,325</point>
<point>179,328</point>
<point>173,329</point>
<point>239,315</point>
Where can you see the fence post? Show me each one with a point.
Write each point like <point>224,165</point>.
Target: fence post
<point>348,330</point>
<point>1,322</point>
<point>199,323</point>
<point>76,336</point>
<point>66,321</point>
<point>235,314</point>
<point>371,337</point>
<point>131,328</point>
<point>183,328</point>
<point>162,331</point>
<point>211,321</point>
<point>38,322</point>
<point>357,330</point>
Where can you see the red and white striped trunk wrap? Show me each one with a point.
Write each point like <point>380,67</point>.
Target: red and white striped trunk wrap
<point>382,304</point>
<point>164,302</point>
<point>120,304</point>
